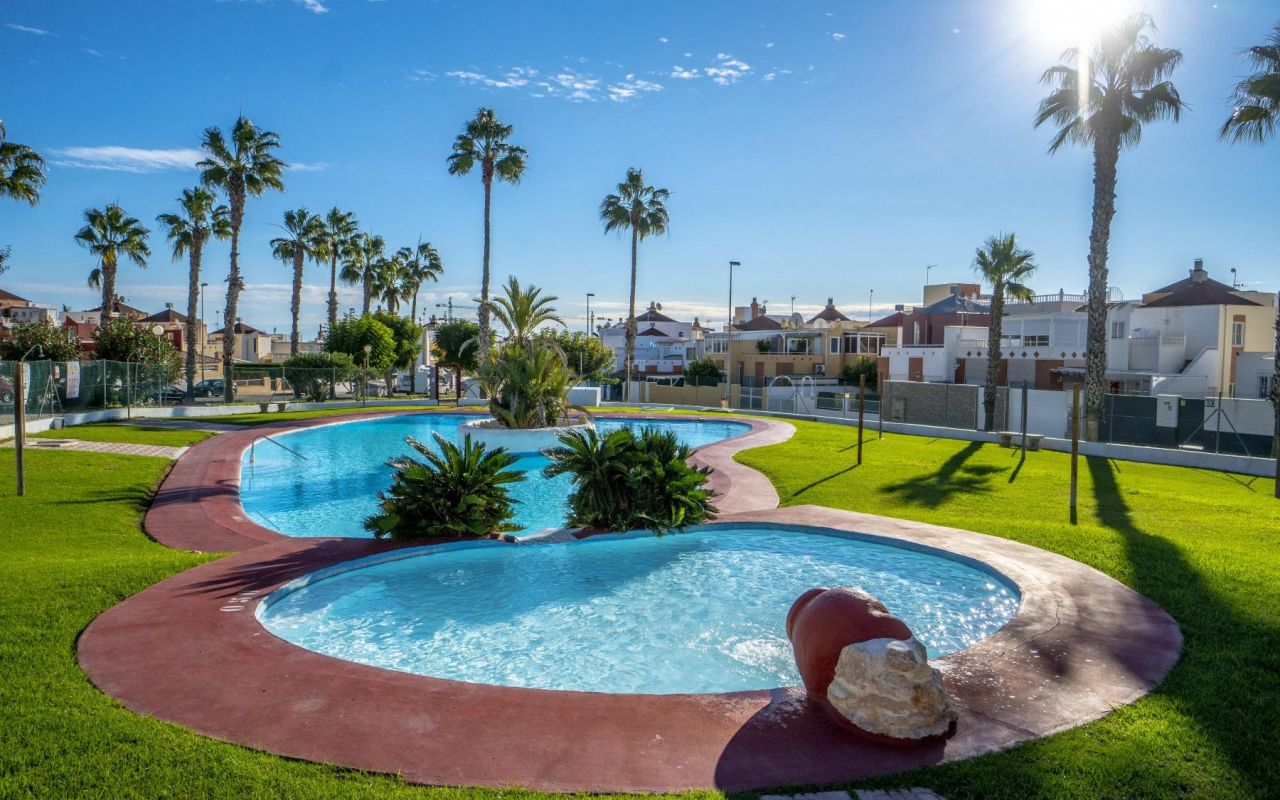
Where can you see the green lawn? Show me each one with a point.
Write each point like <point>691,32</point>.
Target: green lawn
<point>1202,544</point>
<point>131,434</point>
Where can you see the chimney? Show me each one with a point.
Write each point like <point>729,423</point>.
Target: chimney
<point>169,306</point>
<point>831,302</point>
<point>755,308</point>
<point>1198,273</point>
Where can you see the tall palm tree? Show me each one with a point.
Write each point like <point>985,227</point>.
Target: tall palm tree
<point>483,141</point>
<point>199,217</point>
<point>641,209</point>
<point>1101,99</point>
<point>1001,263</point>
<point>21,170</point>
<point>1254,119</point>
<point>522,310</point>
<point>362,263</point>
<point>304,230</point>
<point>246,166</point>
<point>110,234</point>
<point>335,244</point>
<point>420,264</point>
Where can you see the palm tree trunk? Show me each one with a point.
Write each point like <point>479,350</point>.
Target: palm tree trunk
<point>366,285</point>
<point>1275,400</point>
<point>483,316</point>
<point>108,290</point>
<point>193,297</point>
<point>295,306</point>
<point>333,289</point>
<point>994,354</point>
<point>631,316</point>
<point>1106,154</point>
<point>413,309</point>
<point>234,284</point>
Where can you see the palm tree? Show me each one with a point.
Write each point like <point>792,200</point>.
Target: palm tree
<point>1125,84</point>
<point>21,171</point>
<point>335,244</point>
<point>387,282</point>
<point>521,311</point>
<point>1001,263</point>
<point>420,264</point>
<point>641,209</point>
<point>304,230</point>
<point>110,234</point>
<point>199,217</point>
<point>483,141</point>
<point>1254,119</point>
<point>362,262</point>
<point>244,167</point>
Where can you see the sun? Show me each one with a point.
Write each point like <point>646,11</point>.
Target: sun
<point>1075,23</point>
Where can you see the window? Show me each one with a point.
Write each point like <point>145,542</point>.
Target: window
<point>1237,334</point>
<point>1041,340</point>
<point>1117,330</point>
<point>1264,387</point>
<point>835,344</point>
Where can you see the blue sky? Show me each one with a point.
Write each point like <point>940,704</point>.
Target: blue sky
<point>831,147</point>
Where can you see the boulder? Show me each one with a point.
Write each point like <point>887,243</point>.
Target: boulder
<point>865,668</point>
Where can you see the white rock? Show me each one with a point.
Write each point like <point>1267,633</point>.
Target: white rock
<point>886,687</point>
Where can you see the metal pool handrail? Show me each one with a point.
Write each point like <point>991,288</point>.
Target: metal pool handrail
<point>253,448</point>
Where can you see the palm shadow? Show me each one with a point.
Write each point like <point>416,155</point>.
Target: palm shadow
<point>953,477</point>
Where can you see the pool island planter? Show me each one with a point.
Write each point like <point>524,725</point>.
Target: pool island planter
<point>518,441</point>
<point>190,650</point>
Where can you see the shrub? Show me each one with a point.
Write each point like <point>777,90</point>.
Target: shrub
<point>527,385</point>
<point>864,365</point>
<point>313,375</point>
<point>56,344</point>
<point>350,336</point>
<point>627,482</point>
<point>120,339</point>
<point>460,491</point>
<point>702,372</point>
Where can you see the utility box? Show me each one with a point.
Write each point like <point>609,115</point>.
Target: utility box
<point>1167,419</point>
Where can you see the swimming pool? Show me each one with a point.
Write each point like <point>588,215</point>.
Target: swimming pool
<point>329,482</point>
<point>700,611</point>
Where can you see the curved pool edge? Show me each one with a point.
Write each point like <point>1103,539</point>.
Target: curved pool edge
<point>197,506</point>
<point>186,651</point>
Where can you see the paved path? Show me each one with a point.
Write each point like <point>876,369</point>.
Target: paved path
<point>119,448</point>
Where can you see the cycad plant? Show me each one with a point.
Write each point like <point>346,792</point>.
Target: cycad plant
<point>111,234</point>
<point>641,209</point>
<point>199,218</point>
<point>624,481</point>
<point>1004,265</point>
<point>1101,100</point>
<point>458,491</point>
<point>527,385</point>
<point>522,311</point>
<point>244,166</point>
<point>304,232</point>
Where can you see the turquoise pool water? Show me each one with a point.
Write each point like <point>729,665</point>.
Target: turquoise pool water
<point>700,611</point>
<point>329,484</point>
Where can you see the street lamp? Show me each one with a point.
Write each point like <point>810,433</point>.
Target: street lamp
<point>870,298</point>
<point>364,379</point>
<point>589,296</point>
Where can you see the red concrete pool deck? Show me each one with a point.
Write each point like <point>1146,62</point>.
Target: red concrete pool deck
<point>190,650</point>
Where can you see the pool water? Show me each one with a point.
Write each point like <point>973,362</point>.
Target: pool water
<point>329,484</point>
<point>700,611</point>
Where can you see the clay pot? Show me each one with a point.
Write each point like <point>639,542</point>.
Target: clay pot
<point>823,621</point>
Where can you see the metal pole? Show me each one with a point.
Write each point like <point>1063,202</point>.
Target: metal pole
<point>862,402</point>
<point>589,296</point>
<point>1075,445</point>
<point>1024,419</point>
<point>19,423</point>
<point>732,264</point>
<point>1217,424</point>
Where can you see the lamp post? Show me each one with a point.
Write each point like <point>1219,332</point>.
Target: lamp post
<point>928,268</point>
<point>364,379</point>
<point>204,333</point>
<point>732,264</point>
<point>20,414</point>
<point>870,299</point>
<point>589,296</point>
<point>158,331</point>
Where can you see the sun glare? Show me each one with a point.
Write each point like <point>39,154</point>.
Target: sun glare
<point>1076,23</point>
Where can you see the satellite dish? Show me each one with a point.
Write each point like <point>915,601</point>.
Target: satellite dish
<point>658,306</point>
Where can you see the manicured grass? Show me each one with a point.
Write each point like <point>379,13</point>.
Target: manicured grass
<point>1204,545</point>
<point>282,416</point>
<point>130,434</point>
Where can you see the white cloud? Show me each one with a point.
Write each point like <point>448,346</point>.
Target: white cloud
<point>663,39</point>
<point>768,44</point>
<point>125,159</point>
<point>91,51</point>
<point>28,29</point>
<point>314,6</point>
<point>420,76</point>
<point>630,87</point>
<point>315,166</point>
<point>684,74</point>
<point>839,37</point>
<point>688,55</point>
<point>730,70</point>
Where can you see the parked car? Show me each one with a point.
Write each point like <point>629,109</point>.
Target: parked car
<point>213,387</point>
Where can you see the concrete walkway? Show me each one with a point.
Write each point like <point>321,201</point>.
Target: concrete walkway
<point>119,448</point>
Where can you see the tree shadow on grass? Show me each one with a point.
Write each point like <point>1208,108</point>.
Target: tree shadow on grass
<point>1229,675</point>
<point>953,477</point>
<point>821,481</point>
